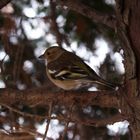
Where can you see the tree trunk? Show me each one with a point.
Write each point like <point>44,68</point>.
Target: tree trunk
<point>133,32</point>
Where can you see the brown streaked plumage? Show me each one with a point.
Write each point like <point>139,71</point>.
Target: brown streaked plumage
<point>68,71</point>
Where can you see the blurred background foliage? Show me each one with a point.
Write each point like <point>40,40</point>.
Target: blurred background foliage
<point>27,28</point>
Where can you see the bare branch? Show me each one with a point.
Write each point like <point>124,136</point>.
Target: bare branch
<point>41,96</point>
<point>89,122</point>
<point>48,121</point>
<point>122,20</point>
<point>4,3</point>
<point>67,123</point>
<point>21,129</point>
<point>54,26</point>
<point>94,15</point>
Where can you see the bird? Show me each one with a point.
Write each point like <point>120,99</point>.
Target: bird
<point>68,71</point>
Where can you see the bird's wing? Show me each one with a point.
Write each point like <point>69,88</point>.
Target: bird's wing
<point>82,66</point>
<point>68,72</point>
<point>71,67</point>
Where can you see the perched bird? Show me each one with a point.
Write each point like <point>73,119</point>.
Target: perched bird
<point>68,71</point>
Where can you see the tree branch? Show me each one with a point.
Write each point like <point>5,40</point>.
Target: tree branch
<point>122,20</point>
<point>4,3</point>
<point>94,15</point>
<point>89,122</point>
<point>42,96</point>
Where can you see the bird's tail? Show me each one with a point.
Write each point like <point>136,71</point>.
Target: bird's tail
<point>106,84</point>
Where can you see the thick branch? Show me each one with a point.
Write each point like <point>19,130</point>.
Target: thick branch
<point>94,15</point>
<point>41,96</point>
<point>122,18</point>
<point>4,3</point>
<point>54,25</point>
<point>74,119</point>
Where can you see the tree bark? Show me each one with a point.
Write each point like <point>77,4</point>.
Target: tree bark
<point>4,3</point>
<point>133,31</point>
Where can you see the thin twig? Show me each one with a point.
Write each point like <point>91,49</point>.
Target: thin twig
<point>21,129</point>
<point>23,113</point>
<point>74,131</point>
<point>18,57</point>
<point>92,122</point>
<point>54,25</point>
<point>48,120</point>
<point>65,130</point>
<point>29,131</point>
<point>67,123</point>
<point>2,64</point>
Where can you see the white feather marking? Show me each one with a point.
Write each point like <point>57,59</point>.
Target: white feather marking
<point>52,71</point>
<point>61,73</point>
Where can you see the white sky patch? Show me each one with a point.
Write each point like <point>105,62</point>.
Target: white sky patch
<point>80,51</point>
<point>13,39</point>
<point>29,12</point>
<point>21,120</point>
<point>118,128</point>
<point>41,128</point>
<point>118,63</point>
<point>32,11</point>
<point>94,63</point>
<point>35,4</point>
<point>45,26</point>
<point>60,21</point>
<point>7,127</point>
<point>54,129</point>
<point>74,45</point>
<point>50,38</point>
<point>39,50</point>
<point>3,56</point>
<point>46,3</point>
<point>64,45</point>
<point>83,52</point>
<point>20,85</point>
<point>55,44</point>
<point>2,84</point>
<point>33,33</point>
<point>3,114</point>
<point>92,89</point>
<point>110,2</point>
<point>102,49</point>
<point>70,134</point>
<point>28,66</point>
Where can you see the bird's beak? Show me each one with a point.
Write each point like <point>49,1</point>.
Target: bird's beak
<point>41,56</point>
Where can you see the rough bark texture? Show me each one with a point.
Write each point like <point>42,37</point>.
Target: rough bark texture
<point>4,3</point>
<point>134,33</point>
<point>33,97</point>
<point>134,37</point>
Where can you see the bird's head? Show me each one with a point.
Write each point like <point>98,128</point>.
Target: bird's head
<point>52,53</point>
